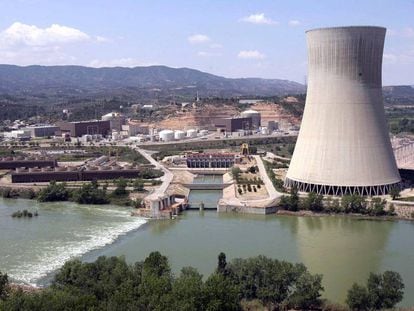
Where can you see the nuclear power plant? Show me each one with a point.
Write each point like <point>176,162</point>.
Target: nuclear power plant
<point>343,145</point>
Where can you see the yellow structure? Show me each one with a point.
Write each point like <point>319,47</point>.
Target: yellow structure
<point>245,149</point>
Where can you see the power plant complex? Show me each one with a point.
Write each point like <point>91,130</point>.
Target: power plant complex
<point>343,145</point>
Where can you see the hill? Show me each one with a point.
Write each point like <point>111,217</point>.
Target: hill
<point>139,81</point>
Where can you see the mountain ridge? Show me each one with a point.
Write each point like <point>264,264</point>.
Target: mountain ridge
<point>39,79</point>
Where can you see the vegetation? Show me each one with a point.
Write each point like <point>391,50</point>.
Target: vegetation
<point>291,202</point>
<point>348,204</point>
<point>112,284</point>
<point>25,214</point>
<point>270,284</point>
<point>383,291</point>
<point>90,194</point>
<point>54,192</point>
<point>277,182</point>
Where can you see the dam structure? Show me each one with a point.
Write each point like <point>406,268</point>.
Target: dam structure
<point>343,145</point>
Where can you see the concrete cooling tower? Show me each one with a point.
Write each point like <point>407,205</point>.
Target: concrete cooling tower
<point>343,145</point>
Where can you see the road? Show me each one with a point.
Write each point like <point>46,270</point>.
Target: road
<point>166,178</point>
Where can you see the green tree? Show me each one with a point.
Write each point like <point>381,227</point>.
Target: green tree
<point>54,192</point>
<point>187,290</point>
<point>220,293</point>
<point>156,284</point>
<point>4,283</point>
<point>395,192</point>
<point>383,291</point>
<point>357,298</point>
<point>90,194</point>
<point>121,185</point>
<point>313,202</point>
<point>138,185</point>
<point>235,172</point>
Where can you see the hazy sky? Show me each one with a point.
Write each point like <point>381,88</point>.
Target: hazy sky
<point>255,38</point>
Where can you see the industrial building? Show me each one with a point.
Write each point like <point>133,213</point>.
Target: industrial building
<point>255,115</point>
<point>78,129</point>
<point>343,145</point>
<point>210,160</point>
<point>116,120</point>
<point>47,174</point>
<point>8,163</point>
<point>230,125</point>
<point>43,130</point>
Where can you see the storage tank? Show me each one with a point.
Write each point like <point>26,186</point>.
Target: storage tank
<point>179,135</point>
<point>255,115</point>
<point>203,132</point>
<point>264,130</point>
<point>166,135</point>
<point>343,145</point>
<point>191,133</point>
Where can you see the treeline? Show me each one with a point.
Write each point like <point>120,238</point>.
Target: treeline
<point>91,193</point>
<point>257,283</point>
<point>347,204</point>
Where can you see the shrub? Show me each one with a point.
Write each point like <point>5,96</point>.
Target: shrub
<point>54,192</point>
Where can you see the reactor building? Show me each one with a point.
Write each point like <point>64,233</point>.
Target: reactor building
<point>343,145</point>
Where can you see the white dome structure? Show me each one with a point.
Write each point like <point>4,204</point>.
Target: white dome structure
<point>343,145</point>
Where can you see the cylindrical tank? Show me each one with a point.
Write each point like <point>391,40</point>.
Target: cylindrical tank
<point>166,135</point>
<point>264,130</point>
<point>179,135</point>
<point>255,115</point>
<point>191,133</point>
<point>343,146</point>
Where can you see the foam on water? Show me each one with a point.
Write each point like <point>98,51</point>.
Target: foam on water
<point>54,253</point>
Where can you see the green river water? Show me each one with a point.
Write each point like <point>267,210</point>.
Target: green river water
<point>343,249</point>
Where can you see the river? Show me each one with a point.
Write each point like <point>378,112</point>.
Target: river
<point>343,249</point>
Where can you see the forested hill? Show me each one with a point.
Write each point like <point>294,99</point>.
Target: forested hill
<point>53,80</point>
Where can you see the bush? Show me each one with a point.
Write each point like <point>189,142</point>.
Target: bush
<point>54,192</point>
<point>383,291</point>
<point>90,194</point>
<point>313,202</point>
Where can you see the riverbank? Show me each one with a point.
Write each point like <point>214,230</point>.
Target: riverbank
<point>352,215</point>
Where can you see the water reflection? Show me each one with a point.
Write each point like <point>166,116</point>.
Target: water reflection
<point>334,246</point>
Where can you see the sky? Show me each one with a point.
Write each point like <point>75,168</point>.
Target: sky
<point>231,38</point>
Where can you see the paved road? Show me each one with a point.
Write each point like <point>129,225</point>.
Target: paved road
<point>166,178</point>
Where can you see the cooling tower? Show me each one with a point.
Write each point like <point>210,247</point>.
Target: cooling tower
<point>343,145</point>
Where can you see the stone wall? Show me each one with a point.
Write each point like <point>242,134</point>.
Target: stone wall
<point>404,209</point>
<point>221,208</point>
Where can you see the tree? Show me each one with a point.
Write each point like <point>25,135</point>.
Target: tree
<point>54,192</point>
<point>383,291</point>
<point>395,192</point>
<point>313,202</point>
<point>222,263</point>
<point>4,284</point>
<point>357,298</point>
<point>187,290</point>
<point>156,284</point>
<point>138,185</point>
<point>121,185</point>
<point>235,172</point>
<point>90,194</point>
<point>220,293</point>
<point>353,204</point>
